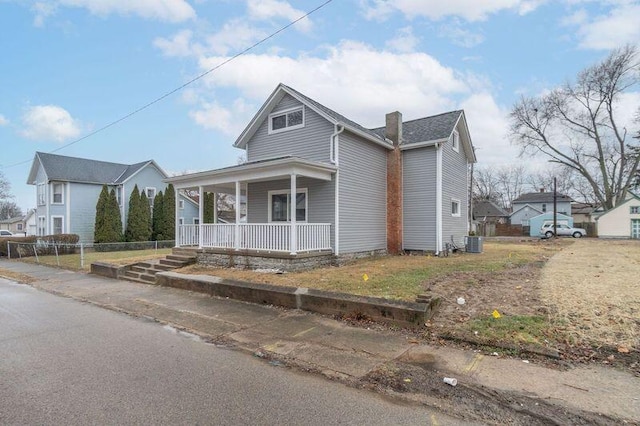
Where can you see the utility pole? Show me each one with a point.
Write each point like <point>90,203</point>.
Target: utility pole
<point>555,209</point>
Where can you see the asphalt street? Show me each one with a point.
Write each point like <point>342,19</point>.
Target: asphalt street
<point>67,362</point>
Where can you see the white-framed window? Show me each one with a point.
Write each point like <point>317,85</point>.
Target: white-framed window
<point>544,208</point>
<point>57,193</point>
<point>119,195</point>
<point>181,221</point>
<point>19,227</point>
<point>196,221</point>
<point>57,225</point>
<point>150,191</point>
<point>525,222</point>
<point>280,205</point>
<point>288,119</point>
<point>42,198</point>
<point>181,204</point>
<point>455,141</point>
<point>42,226</point>
<point>455,207</point>
<point>634,209</point>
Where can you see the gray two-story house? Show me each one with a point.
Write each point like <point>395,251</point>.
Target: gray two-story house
<point>316,181</point>
<point>68,188</point>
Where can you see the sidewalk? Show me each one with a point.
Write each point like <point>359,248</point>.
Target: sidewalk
<point>339,351</point>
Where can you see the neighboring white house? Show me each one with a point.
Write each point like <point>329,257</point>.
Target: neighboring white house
<point>623,221</point>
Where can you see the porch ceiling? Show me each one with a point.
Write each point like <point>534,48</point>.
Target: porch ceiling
<point>223,180</point>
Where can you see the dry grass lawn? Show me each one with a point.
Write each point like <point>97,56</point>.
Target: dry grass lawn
<point>593,291</point>
<point>72,261</point>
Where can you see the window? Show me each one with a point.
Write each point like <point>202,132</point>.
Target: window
<point>635,209</point>
<point>455,208</point>
<point>196,221</point>
<point>57,193</point>
<point>544,208</point>
<point>19,227</point>
<point>151,194</point>
<point>42,226</point>
<point>280,207</point>
<point>181,221</point>
<point>57,225</point>
<point>455,141</point>
<point>181,204</point>
<point>42,200</point>
<point>119,195</point>
<point>286,120</point>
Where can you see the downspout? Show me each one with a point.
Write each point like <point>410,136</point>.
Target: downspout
<point>333,157</point>
<point>438,198</point>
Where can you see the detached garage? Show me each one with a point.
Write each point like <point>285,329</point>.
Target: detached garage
<point>623,221</point>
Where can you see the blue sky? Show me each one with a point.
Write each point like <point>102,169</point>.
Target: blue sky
<point>70,67</point>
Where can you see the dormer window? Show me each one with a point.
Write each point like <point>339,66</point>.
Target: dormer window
<point>286,120</point>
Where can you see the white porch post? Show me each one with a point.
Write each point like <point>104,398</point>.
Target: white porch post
<point>237,242</point>
<point>200,216</point>
<point>177,210</point>
<point>215,207</point>
<point>294,228</point>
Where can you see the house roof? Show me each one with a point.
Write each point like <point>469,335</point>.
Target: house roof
<point>632,197</point>
<point>524,207</point>
<point>435,127</point>
<point>540,197</point>
<point>428,129</point>
<point>583,208</point>
<point>15,219</point>
<point>488,208</point>
<point>74,169</point>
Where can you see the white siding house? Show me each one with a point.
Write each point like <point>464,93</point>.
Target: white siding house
<point>623,221</point>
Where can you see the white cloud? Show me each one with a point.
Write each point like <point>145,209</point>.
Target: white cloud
<point>269,9</point>
<point>460,36</point>
<point>49,123</point>
<point>161,10</point>
<point>235,36</point>
<point>359,81</point>
<point>618,27</point>
<point>488,125</point>
<point>470,10</point>
<point>3,120</point>
<point>404,41</point>
<point>230,121</point>
<point>178,45</point>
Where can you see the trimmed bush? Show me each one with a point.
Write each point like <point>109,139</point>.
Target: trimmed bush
<point>169,230</point>
<point>4,240</point>
<point>158,217</point>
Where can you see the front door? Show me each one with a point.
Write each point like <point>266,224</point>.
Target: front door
<point>635,228</point>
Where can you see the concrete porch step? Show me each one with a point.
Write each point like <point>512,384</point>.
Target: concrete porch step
<point>181,258</point>
<point>145,277</point>
<point>173,263</point>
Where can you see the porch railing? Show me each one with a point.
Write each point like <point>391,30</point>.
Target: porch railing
<point>274,237</point>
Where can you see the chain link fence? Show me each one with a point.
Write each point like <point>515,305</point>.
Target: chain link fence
<point>81,255</point>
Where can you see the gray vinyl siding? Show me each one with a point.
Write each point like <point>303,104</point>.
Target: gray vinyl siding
<point>310,142</point>
<point>189,212</point>
<point>419,199</point>
<point>321,200</point>
<point>564,207</point>
<point>84,198</point>
<point>454,186</point>
<point>147,177</point>
<point>362,195</point>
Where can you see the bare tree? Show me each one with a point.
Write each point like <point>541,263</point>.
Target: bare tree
<point>499,184</point>
<point>576,126</point>
<point>8,208</point>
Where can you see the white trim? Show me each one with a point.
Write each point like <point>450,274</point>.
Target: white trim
<point>455,141</point>
<point>43,201</point>
<point>459,203</point>
<point>68,201</point>
<point>53,228</point>
<point>53,193</point>
<point>181,204</point>
<point>288,192</point>
<point>196,221</point>
<point>293,212</point>
<point>176,233</point>
<point>123,210</point>
<point>422,144</point>
<point>286,113</point>
<point>201,200</point>
<point>44,227</point>
<point>438,198</point>
<point>181,220</point>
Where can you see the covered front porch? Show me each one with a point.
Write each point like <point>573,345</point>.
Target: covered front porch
<point>287,229</point>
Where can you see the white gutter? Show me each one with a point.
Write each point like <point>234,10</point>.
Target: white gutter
<point>333,156</point>
<point>438,198</point>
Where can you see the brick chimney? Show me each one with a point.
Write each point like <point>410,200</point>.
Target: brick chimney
<point>393,132</point>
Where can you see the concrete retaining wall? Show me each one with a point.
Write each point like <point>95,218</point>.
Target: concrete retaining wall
<point>107,270</point>
<point>377,309</point>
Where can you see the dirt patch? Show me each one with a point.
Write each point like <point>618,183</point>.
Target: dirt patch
<point>16,276</point>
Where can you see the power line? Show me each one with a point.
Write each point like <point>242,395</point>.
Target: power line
<point>177,89</point>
